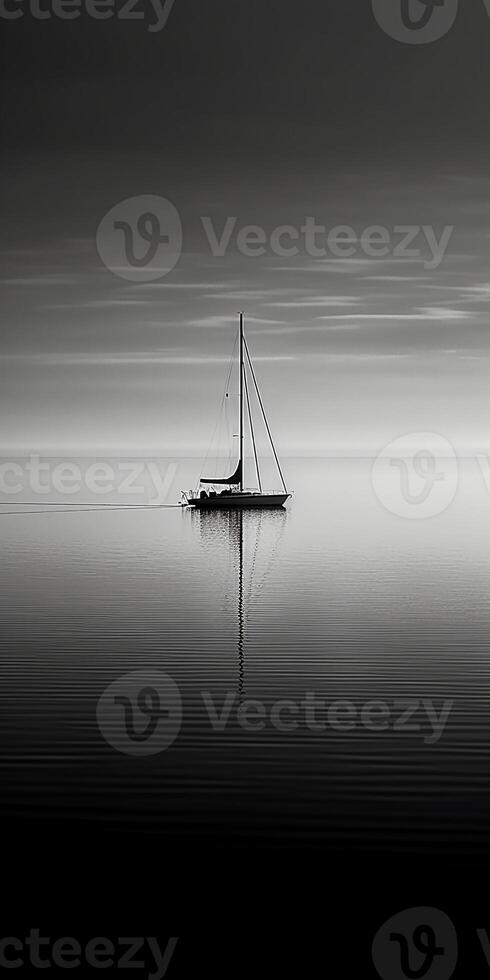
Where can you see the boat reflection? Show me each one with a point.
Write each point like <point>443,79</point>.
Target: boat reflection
<point>251,540</point>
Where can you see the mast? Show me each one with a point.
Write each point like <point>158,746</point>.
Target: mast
<point>241,402</point>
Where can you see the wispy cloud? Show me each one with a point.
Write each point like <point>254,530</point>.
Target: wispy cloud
<point>132,358</point>
<point>398,279</point>
<point>226,321</point>
<point>444,313</point>
<point>170,286</point>
<point>252,294</point>
<point>100,304</point>
<point>477,293</point>
<point>422,313</point>
<point>348,266</point>
<point>47,280</point>
<point>315,301</point>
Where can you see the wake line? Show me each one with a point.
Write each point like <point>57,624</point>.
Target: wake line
<point>77,508</point>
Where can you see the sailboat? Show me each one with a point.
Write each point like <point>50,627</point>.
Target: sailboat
<point>235,493</point>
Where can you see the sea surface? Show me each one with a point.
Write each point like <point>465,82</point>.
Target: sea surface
<point>243,621</point>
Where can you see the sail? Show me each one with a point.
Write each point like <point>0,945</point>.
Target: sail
<point>232,481</point>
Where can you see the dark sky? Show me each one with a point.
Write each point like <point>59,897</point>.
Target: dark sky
<point>282,77</point>
<point>269,111</point>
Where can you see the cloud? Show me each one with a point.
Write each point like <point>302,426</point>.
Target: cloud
<point>252,294</point>
<point>316,301</point>
<point>476,294</point>
<point>347,266</point>
<point>132,358</point>
<point>423,279</point>
<point>226,321</point>
<point>443,313</point>
<point>47,280</point>
<point>179,285</point>
<point>100,304</point>
<point>422,313</point>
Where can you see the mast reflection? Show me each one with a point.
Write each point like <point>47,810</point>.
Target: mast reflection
<point>251,535</point>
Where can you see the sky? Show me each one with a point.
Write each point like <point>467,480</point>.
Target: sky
<point>241,114</point>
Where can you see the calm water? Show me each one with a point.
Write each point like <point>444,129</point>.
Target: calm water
<point>334,596</point>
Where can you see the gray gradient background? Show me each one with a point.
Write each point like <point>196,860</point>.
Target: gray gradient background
<point>268,111</point>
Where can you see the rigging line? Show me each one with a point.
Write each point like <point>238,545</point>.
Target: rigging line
<point>250,422</point>
<point>227,427</point>
<point>229,423</point>
<point>218,420</point>
<point>264,415</point>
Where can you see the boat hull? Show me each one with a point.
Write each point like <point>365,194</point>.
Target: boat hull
<point>240,501</point>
